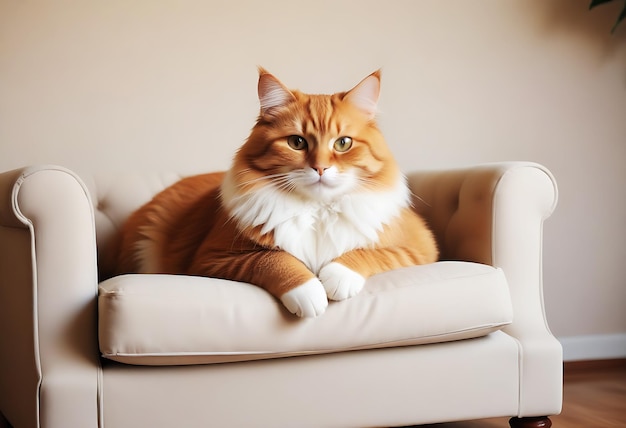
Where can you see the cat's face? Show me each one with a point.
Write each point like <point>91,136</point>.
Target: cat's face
<point>319,147</point>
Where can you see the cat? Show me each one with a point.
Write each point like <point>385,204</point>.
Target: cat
<point>313,204</point>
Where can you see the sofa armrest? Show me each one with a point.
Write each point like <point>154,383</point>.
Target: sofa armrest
<point>48,290</point>
<point>494,214</point>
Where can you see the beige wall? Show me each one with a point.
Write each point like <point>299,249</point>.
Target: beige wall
<point>116,84</point>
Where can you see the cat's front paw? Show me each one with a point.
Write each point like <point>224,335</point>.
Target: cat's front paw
<point>306,300</point>
<point>340,282</point>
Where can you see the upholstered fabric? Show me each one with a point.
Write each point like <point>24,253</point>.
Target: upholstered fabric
<point>391,387</point>
<point>56,237</point>
<point>174,320</point>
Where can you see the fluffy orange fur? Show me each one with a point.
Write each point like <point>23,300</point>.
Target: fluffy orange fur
<point>315,152</point>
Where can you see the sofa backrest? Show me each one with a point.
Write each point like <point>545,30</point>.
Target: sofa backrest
<point>115,198</point>
<point>457,208</point>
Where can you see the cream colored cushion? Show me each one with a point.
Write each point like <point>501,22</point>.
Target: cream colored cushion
<point>174,320</point>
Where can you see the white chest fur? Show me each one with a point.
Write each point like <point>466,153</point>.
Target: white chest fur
<point>313,231</point>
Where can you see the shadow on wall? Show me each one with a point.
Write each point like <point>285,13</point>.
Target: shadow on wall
<point>574,18</point>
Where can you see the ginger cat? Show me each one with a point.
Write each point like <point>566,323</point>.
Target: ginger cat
<point>313,204</point>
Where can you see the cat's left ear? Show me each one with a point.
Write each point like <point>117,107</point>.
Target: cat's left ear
<point>272,93</point>
<point>365,95</point>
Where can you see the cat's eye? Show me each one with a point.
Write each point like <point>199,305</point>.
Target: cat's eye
<point>297,142</point>
<point>343,144</point>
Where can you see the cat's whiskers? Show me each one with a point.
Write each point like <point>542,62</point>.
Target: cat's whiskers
<point>370,184</point>
<point>285,184</point>
<point>272,178</point>
<point>419,198</point>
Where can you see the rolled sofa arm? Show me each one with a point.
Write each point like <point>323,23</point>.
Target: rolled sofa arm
<point>48,291</point>
<point>494,214</point>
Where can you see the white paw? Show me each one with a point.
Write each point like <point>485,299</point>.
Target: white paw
<point>340,282</point>
<point>306,300</point>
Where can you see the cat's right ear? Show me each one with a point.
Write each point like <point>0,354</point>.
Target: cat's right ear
<point>272,93</point>
<point>364,96</point>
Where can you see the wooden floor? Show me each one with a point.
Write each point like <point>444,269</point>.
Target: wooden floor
<point>594,396</point>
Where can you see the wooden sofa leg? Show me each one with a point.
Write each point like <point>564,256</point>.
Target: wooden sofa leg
<point>539,422</point>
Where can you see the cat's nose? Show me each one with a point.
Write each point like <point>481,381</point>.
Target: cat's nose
<point>320,169</point>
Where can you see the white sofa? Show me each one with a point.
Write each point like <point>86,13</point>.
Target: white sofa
<point>460,339</point>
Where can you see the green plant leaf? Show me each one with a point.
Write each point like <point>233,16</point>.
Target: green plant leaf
<point>595,3</point>
<point>620,18</point>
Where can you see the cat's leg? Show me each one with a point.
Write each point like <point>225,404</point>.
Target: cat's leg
<point>278,272</point>
<point>345,276</point>
<point>341,282</point>
<point>306,300</point>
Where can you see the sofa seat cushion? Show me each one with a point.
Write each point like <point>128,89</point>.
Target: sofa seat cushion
<point>175,320</point>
